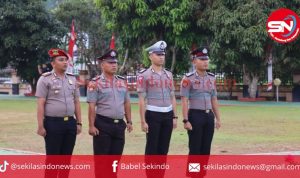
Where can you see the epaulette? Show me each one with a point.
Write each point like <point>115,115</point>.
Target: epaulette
<point>46,74</point>
<point>189,74</point>
<point>96,78</point>
<point>211,74</point>
<point>142,71</point>
<point>168,70</point>
<point>120,77</point>
<point>70,74</point>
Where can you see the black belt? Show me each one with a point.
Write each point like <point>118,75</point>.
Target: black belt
<point>108,119</point>
<point>200,110</point>
<point>66,118</point>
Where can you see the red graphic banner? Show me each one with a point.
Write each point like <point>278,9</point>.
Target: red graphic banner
<point>233,166</point>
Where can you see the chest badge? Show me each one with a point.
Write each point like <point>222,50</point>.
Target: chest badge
<point>197,82</point>
<point>70,82</point>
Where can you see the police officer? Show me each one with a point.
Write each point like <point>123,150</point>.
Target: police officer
<point>108,93</point>
<point>157,103</point>
<point>58,101</point>
<point>200,104</point>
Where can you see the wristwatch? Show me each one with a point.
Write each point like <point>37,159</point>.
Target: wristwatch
<point>185,121</point>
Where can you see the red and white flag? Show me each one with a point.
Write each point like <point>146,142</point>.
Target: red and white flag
<point>71,49</point>
<point>72,40</point>
<point>112,42</point>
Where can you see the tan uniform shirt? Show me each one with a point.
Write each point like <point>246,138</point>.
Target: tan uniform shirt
<point>199,90</point>
<point>158,89</point>
<point>109,96</point>
<point>60,94</point>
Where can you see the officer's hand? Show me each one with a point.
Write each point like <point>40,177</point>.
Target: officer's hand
<point>218,124</point>
<point>41,131</point>
<point>93,131</point>
<point>129,127</point>
<point>174,123</point>
<point>144,127</point>
<point>79,128</point>
<point>188,126</point>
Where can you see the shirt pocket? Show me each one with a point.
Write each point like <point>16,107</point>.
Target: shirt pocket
<point>105,93</point>
<point>196,86</point>
<point>55,91</point>
<point>71,90</point>
<point>122,91</point>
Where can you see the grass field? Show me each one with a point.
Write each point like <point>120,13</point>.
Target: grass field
<point>245,130</point>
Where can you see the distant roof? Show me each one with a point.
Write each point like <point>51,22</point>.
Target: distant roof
<point>6,70</point>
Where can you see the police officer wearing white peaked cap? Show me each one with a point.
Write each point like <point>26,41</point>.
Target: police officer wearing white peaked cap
<point>157,103</point>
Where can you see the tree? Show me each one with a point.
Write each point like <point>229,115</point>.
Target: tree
<point>240,39</point>
<point>92,36</point>
<point>27,33</point>
<point>139,23</point>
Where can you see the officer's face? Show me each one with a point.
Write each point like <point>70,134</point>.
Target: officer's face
<point>109,67</point>
<point>201,64</point>
<point>60,63</point>
<point>157,59</point>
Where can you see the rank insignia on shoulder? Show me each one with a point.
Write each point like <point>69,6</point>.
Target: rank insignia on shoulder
<point>142,71</point>
<point>96,78</point>
<point>189,74</point>
<point>167,69</point>
<point>211,74</point>
<point>120,77</point>
<point>70,74</point>
<point>46,74</point>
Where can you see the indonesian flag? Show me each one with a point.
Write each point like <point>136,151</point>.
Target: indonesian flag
<point>72,40</point>
<point>112,42</point>
<point>70,68</point>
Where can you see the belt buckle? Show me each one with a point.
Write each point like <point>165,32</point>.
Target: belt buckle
<point>207,111</point>
<point>116,121</point>
<point>66,118</point>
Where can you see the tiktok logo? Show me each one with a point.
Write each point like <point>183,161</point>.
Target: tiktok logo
<point>3,166</point>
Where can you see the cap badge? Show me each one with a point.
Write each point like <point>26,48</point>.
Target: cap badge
<point>55,52</point>
<point>162,46</point>
<point>113,54</point>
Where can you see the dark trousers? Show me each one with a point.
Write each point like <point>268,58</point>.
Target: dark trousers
<point>160,127</point>
<point>111,138</point>
<point>201,136</point>
<point>60,140</point>
<point>110,141</point>
<point>60,135</point>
